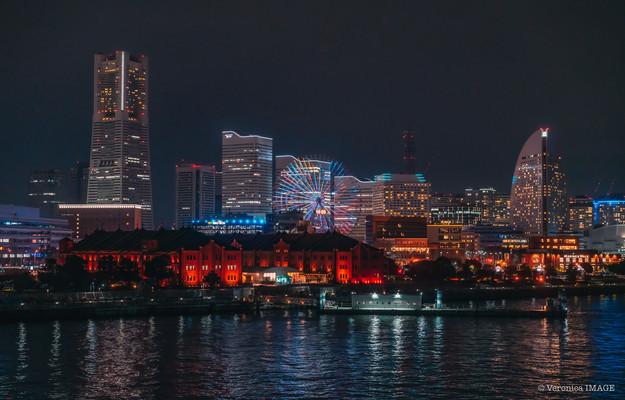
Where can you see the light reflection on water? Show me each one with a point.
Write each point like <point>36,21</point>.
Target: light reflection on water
<point>299,354</point>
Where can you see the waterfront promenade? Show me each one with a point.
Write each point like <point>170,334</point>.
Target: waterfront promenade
<point>33,306</point>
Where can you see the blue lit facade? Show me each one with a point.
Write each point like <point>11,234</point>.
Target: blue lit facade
<point>230,225</point>
<point>609,211</point>
<point>26,239</point>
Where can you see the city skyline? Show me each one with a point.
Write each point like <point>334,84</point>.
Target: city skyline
<point>349,98</point>
<point>312,199</point>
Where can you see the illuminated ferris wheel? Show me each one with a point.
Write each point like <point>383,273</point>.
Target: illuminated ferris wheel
<point>311,187</point>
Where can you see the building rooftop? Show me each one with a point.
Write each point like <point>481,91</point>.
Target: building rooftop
<point>187,238</point>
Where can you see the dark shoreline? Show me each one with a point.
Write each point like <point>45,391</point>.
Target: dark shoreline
<point>117,310</point>
<point>477,294</point>
<point>14,311</point>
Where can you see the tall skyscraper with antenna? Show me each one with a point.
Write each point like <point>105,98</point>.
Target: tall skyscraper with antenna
<point>119,169</point>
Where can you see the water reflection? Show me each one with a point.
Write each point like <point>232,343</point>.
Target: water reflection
<point>295,354</point>
<point>54,363</point>
<point>21,373</point>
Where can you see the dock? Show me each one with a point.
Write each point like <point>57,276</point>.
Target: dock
<point>455,312</point>
<point>401,304</point>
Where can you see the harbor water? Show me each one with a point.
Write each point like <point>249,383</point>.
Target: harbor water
<point>300,354</point>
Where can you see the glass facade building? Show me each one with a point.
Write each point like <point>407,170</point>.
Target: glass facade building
<point>247,174</point>
<point>537,199</point>
<point>580,213</point>
<point>195,193</point>
<point>119,169</point>
<point>47,189</point>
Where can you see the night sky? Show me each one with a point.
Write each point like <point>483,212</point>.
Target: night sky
<point>340,78</point>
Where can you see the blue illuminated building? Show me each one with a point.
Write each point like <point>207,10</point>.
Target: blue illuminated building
<point>610,211</point>
<point>26,238</point>
<point>231,224</point>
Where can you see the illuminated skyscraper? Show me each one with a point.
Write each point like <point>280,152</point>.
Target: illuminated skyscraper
<point>537,199</point>
<point>580,213</point>
<point>195,193</point>
<point>484,200</point>
<point>454,209</point>
<point>401,195</point>
<point>501,209</point>
<point>247,174</point>
<point>119,170</point>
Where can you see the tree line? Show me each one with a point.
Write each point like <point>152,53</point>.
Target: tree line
<point>74,275</point>
<point>445,269</point>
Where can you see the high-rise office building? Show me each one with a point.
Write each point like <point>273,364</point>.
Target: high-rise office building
<point>454,209</point>
<point>501,209</point>
<point>119,170</point>
<point>401,195</point>
<point>78,182</point>
<point>580,213</point>
<point>537,199</point>
<point>47,188</point>
<point>195,193</point>
<point>247,174</point>
<point>484,200</point>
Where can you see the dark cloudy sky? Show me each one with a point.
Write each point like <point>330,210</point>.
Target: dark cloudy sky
<point>340,78</point>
